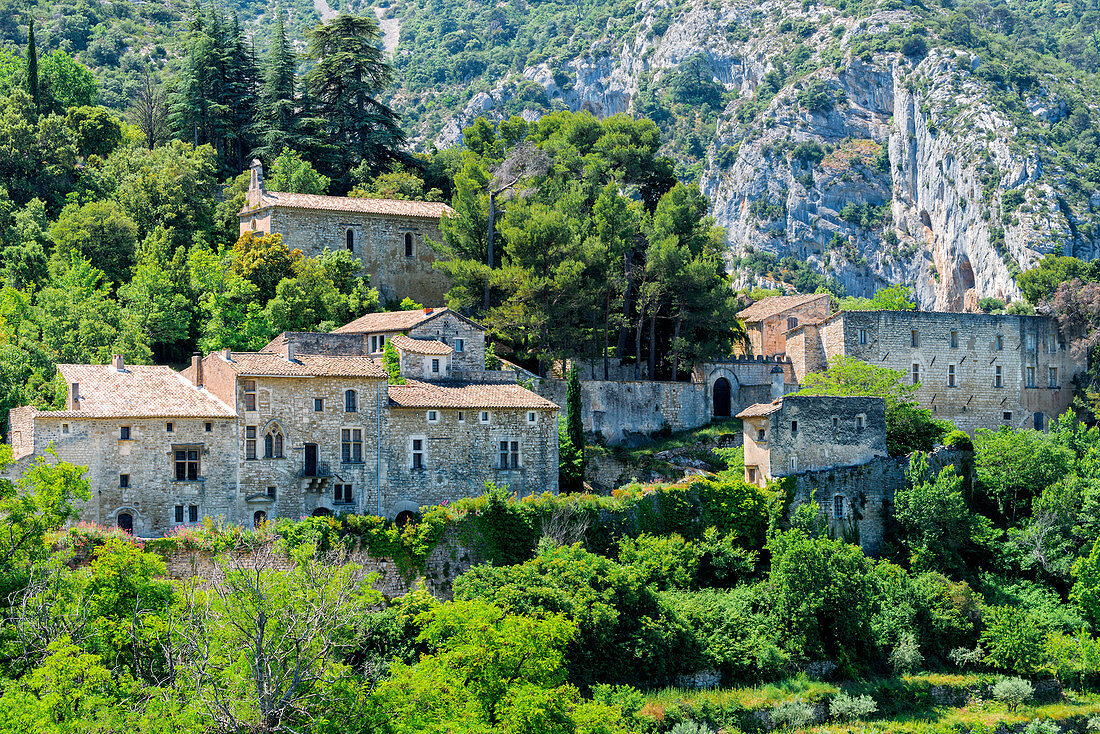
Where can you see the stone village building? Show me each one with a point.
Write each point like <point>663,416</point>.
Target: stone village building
<point>308,425</point>
<point>389,236</point>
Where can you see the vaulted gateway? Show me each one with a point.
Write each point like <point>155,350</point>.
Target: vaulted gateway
<point>721,395</point>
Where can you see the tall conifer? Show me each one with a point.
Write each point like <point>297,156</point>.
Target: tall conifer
<point>32,67</point>
<point>276,119</point>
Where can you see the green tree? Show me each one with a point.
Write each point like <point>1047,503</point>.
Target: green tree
<point>230,315</point>
<point>37,153</point>
<point>276,114</point>
<point>574,431</point>
<point>324,292</point>
<point>1086,588</point>
<point>95,129</point>
<point>1040,282</point>
<point>892,298</point>
<point>99,231</point>
<point>1013,639</point>
<point>1013,467</point>
<point>391,360</point>
<point>64,83</point>
<point>32,67</point>
<point>154,301</point>
<point>292,174</point>
<point>937,526</point>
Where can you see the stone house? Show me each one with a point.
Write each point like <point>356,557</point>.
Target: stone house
<point>389,236</point>
<point>310,425</point>
<point>801,433</point>
<point>768,321</point>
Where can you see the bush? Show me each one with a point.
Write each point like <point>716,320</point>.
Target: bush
<point>1042,726</point>
<point>792,714</point>
<point>691,727</point>
<point>1012,691</point>
<point>906,656</point>
<point>845,707</point>
<point>958,440</point>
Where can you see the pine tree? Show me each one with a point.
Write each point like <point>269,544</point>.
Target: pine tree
<point>276,124</point>
<point>238,96</point>
<point>32,67</point>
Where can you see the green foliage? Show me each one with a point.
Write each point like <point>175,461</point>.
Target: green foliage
<point>845,707</point>
<point>1086,588</point>
<point>958,440</point>
<point>1013,691</point>
<point>391,360</point>
<point>292,174</point>
<point>891,298</point>
<point>99,231</point>
<point>571,450</point>
<point>937,526</point>
<point>1013,639</point>
<point>1013,467</point>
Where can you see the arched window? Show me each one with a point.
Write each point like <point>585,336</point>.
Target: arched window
<point>350,236</point>
<point>273,444</point>
<point>125,521</point>
<point>253,225</point>
<point>838,506</point>
<point>408,244</point>
<point>351,403</point>
<point>259,517</point>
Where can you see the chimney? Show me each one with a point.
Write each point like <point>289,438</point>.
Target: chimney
<point>777,382</point>
<point>196,368</point>
<point>428,310</point>
<point>74,396</point>
<point>225,355</point>
<point>289,349</point>
<point>118,363</point>
<point>256,184</point>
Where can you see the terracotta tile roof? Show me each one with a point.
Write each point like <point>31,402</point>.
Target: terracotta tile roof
<point>761,409</point>
<point>389,207</point>
<point>304,365</point>
<point>416,394</point>
<point>139,391</point>
<point>773,305</point>
<point>373,323</point>
<point>419,346</point>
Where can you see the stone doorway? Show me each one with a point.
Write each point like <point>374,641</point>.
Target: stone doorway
<point>721,393</point>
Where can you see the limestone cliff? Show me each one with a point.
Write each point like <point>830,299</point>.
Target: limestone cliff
<point>874,167</point>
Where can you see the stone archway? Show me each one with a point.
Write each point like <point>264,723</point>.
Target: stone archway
<point>721,394</point>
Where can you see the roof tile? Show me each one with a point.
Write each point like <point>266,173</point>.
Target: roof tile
<point>304,365</point>
<point>420,346</point>
<point>761,409</point>
<point>390,207</point>
<point>389,321</point>
<point>139,391</point>
<point>773,305</point>
<point>415,394</point>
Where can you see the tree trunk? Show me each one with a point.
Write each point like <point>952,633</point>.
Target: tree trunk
<point>621,346</point>
<point>638,344</point>
<point>653,346</point>
<point>606,325</point>
<point>489,242</point>
<point>676,347</point>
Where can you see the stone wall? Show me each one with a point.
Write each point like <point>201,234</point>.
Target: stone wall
<point>867,492</point>
<point>831,431</point>
<point>448,328</point>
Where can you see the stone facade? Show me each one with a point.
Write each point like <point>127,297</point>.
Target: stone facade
<point>976,370</point>
<point>391,238</point>
<point>768,321</point>
<point>286,433</point>
<point>804,433</point>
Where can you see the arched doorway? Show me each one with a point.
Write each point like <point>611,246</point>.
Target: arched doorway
<point>259,517</point>
<point>126,522</point>
<point>405,517</point>
<point>721,398</point>
<point>322,512</point>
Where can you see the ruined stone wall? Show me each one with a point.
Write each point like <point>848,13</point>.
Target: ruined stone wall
<point>378,242</point>
<point>812,432</point>
<point>1025,348</point>
<point>867,492</point>
<point>147,457</point>
<point>461,453</point>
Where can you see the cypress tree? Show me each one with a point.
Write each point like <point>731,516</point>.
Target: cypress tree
<point>574,427</point>
<point>276,119</point>
<point>32,67</point>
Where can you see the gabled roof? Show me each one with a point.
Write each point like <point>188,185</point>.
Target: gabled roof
<point>773,305</point>
<point>373,323</point>
<point>761,409</point>
<point>420,346</point>
<point>138,391</point>
<point>387,207</point>
<point>263,364</point>
<point>416,394</point>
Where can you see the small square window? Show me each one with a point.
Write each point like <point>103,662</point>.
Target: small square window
<point>124,480</point>
<point>859,422</point>
<point>484,416</point>
<point>1000,345</point>
<point>192,513</point>
<point>760,434</point>
<point>64,427</point>
<point>836,422</point>
<point>794,464</point>
<point>951,375</point>
<point>124,433</point>
<point>1031,341</point>
<point>794,427</point>
<point>1052,375</point>
<point>461,416</point>
<point>460,345</point>
<point>862,336</point>
<point>179,513</point>
<point>271,492</point>
<point>209,427</point>
<point>433,416</point>
<point>417,453</point>
<point>1007,415</point>
<point>916,373</point>
<point>169,427</point>
<point>318,405</point>
<point>954,339</point>
<point>998,376</point>
<point>914,341</point>
<point>1031,377</point>
<point>532,416</point>
<point>435,366</point>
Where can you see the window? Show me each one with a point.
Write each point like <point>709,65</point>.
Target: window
<point>318,405</point>
<point>794,464</point>
<point>760,434</point>
<point>169,427</point>
<point>1031,341</point>
<point>351,446</point>
<point>836,422</point>
<point>462,416</point>
<point>124,480</point>
<point>418,453</point>
<point>351,402</point>
<point>460,345</point>
<point>433,416</point>
<point>752,474</point>
<point>250,442</point>
<point>271,492</point>
<point>509,455</point>
<point>124,433</point>
<point>408,244</point>
<point>435,366</point>
<point>187,464</point>
<point>209,427</point>
<point>1007,415</point>
<point>484,417</point>
<point>1000,345</point>
<point>64,427</point>
<point>259,518</point>
<point>377,343</point>
<point>342,494</point>
<point>998,376</point>
<point>249,394</point>
<point>838,506</point>
<point>1052,374</point>
<point>954,339</point>
<point>273,444</point>
<point>792,322</point>
<point>862,336</point>
<point>951,375</point>
<point>532,416</point>
<point>349,239</point>
<point>916,373</point>
<point>179,513</point>
<point>913,340</point>
<point>794,427</point>
<point>859,422</point>
<point>1052,343</point>
<point>1031,377</point>
<point>192,513</point>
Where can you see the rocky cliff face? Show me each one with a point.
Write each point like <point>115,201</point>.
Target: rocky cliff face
<point>875,169</point>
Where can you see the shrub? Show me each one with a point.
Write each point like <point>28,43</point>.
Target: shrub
<point>964,657</point>
<point>845,707</point>
<point>1042,726</point>
<point>958,440</point>
<point>792,714</point>
<point>691,727</point>
<point>906,655</point>
<point>1012,691</point>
